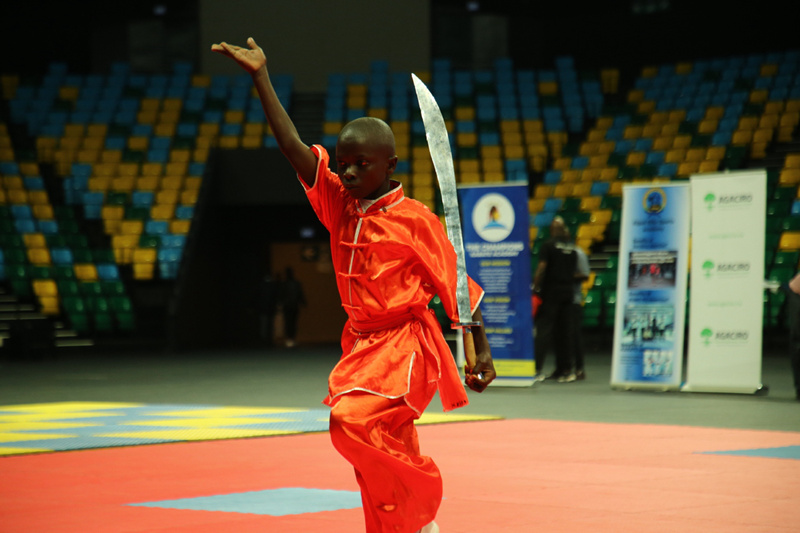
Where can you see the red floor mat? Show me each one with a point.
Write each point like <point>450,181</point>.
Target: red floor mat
<point>500,476</point>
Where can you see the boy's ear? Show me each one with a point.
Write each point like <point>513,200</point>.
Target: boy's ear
<point>391,165</point>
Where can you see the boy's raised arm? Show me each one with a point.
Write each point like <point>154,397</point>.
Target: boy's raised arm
<point>254,61</point>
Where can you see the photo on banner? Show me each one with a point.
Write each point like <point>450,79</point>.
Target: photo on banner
<point>495,225</point>
<point>651,296</point>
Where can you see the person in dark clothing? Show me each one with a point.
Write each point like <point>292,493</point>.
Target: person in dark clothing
<point>792,291</point>
<point>292,297</point>
<point>554,281</point>
<point>267,307</point>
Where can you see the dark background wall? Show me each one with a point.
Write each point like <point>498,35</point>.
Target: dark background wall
<point>310,38</point>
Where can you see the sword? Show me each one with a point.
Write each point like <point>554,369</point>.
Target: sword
<point>439,145</point>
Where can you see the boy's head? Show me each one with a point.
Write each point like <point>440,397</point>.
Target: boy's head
<point>365,158</point>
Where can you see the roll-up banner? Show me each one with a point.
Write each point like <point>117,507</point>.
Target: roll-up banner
<point>651,287</point>
<point>495,225</point>
<point>727,277</point>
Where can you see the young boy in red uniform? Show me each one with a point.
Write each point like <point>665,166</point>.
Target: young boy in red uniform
<point>391,256</point>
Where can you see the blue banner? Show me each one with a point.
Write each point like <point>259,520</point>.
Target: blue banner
<point>651,287</point>
<point>495,226</point>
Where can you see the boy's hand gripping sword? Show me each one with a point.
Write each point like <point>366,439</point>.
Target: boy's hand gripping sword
<point>439,145</point>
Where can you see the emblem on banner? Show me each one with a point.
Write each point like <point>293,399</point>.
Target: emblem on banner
<point>654,201</point>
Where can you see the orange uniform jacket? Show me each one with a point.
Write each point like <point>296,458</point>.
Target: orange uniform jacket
<point>390,259</point>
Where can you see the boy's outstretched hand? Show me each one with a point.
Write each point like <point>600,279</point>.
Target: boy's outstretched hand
<point>251,59</point>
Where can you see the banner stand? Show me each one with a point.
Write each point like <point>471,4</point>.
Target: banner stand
<point>727,279</point>
<point>495,222</point>
<point>651,287</point>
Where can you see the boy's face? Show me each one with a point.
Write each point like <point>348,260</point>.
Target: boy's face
<point>364,167</point>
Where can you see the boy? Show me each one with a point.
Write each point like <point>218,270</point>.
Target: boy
<point>391,256</point>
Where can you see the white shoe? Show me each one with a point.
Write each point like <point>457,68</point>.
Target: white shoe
<point>430,528</point>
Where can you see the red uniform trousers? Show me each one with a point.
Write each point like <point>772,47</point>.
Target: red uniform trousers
<point>401,490</point>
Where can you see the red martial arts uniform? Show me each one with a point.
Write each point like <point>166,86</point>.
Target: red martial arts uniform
<point>390,260</point>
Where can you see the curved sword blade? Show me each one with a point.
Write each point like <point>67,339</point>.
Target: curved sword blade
<point>439,145</point>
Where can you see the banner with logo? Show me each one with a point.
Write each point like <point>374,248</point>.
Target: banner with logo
<point>495,224</point>
<point>651,287</point>
<point>727,276</point>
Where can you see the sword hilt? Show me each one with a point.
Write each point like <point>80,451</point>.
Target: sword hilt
<point>469,343</point>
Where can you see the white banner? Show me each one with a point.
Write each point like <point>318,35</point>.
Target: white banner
<point>651,287</point>
<point>727,277</point>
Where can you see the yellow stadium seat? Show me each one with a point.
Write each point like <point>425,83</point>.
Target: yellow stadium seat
<point>645,106</point>
<point>147,183</point>
<point>465,113</point>
<point>147,117</point>
<point>590,203</point>
<point>789,177</point>
<point>45,287</point>
<point>251,142</point>
<point>632,132</point>
<point>123,184</point>
<point>468,165</point>
<point>635,158</point>
<point>687,168</point>
<point>39,198</point>
<point>579,190</point>
<point>13,182</point>
<point>543,191</point>
<point>421,165</point>
<point>707,126</point>
<point>514,151</point>
<point>609,173</point>
<point>758,96</point>
<point>175,168</point>
<point>123,246</point>
<point>112,212</point>
<point>34,240</point>
<point>562,190</point>
<point>131,227</point>
<point>748,122</point>
<point>111,156</point>
<point>709,165</point>
<point>715,153</point>
<point>593,173</point>
<point>165,129</point>
<point>695,154</point>
<point>493,177</point>
<point>494,151</point>
<point>138,143</point>
<point>663,142</point>
<point>492,165</point>
<point>99,183</point>
<point>789,240</point>
<point>229,142</point>
<point>742,137</point>
<point>675,155</point>
<point>601,216</point>
<point>571,175</point>
<point>466,139</point>
<point>536,205</point>
<point>162,211</point>
<point>85,271</point>
<point>792,161</point>
<point>179,227</point>
<point>189,197</point>
<point>562,163</point>
<point>682,141</point>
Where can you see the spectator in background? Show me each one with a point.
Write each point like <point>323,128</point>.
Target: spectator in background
<point>554,282</point>
<point>292,298</point>
<point>582,272</point>
<point>267,307</point>
<point>792,291</point>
